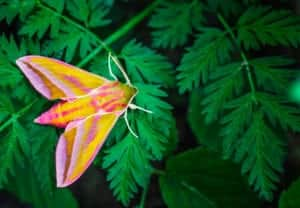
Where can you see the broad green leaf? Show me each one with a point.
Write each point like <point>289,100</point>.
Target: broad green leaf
<point>199,178</point>
<point>290,198</point>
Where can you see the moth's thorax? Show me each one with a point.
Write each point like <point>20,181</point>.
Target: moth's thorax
<point>110,97</point>
<point>113,96</point>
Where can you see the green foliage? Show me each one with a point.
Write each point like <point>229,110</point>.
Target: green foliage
<point>260,26</point>
<point>128,167</point>
<point>172,17</point>
<point>9,10</point>
<point>25,186</point>
<point>193,179</point>
<point>143,64</point>
<point>211,48</point>
<point>206,133</point>
<point>246,96</point>
<point>11,153</point>
<point>289,198</point>
<point>128,161</point>
<point>72,41</point>
<point>91,13</point>
<point>36,24</point>
<point>230,7</point>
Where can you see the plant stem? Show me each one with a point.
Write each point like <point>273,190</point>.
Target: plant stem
<point>158,172</point>
<point>144,195</point>
<point>120,32</point>
<point>75,24</point>
<point>109,40</point>
<point>15,116</point>
<point>243,55</point>
<point>145,191</point>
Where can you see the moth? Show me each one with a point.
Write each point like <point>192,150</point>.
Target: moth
<point>89,107</point>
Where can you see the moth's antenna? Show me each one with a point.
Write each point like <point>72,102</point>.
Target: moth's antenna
<point>133,107</point>
<point>128,126</point>
<point>120,68</point>
<point>110,69</point>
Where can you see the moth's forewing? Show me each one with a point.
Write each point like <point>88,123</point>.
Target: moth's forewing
<point>55,79</point>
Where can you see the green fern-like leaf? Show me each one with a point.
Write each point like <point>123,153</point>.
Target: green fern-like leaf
<point>149,97</point>
<point>172,17</point>
<point>92,13</point>
<point>260,26</point>
<point>152,136</point>
<point>228,8</point>
<point>10,50</point>
<point>57,5</point>
<point>279,111</point>
<point>10,9</point>
<point>132,156</point>
<point>6,106</point>
<point>251,140</point>
<point>143,64</point>
<point>100,66</point>
<point>7,70</point>
<point>128,168</point>
<point>236,122</point>
<point>72,41</point>
<point>11,75</point>
<point>211,48</point>
<point>42,143</point>
<point>262,153</point>
<point>274,71</point>
<point>39,23</point>
<point>12,146</point>
<point>227,81</point>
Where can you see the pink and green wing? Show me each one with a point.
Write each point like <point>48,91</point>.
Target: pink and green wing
<point>79,144</point>
<point>55,79</point>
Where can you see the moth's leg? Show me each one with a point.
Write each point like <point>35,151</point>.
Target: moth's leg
<point>134,107</point>
<point>110,69</point>
<point>128,126</point>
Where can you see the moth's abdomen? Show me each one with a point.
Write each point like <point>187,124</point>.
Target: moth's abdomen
<point>64,112</point>
<point>51,117</point>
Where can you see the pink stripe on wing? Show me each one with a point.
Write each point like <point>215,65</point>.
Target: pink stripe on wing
<point>77,145</point>
<point>100,144</point>
<point>94,153</point>
<point>77,83</point>
<point>55,81</point>
<point>61,158</point>
<point>34,78</point>
<point>93,130</point>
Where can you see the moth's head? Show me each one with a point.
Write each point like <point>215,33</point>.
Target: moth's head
<point>130,91</point>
